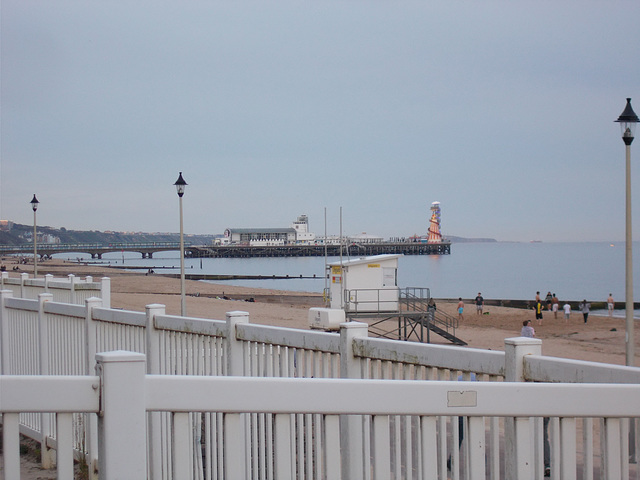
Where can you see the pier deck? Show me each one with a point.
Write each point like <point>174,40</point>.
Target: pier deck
<point>360,249</point>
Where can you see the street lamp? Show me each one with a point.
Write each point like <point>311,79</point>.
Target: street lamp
<point>34,205</point>
<point>627,121</point>
<point>180,186</point>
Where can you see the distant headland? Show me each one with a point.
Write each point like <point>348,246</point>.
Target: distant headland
<point>17,234</point>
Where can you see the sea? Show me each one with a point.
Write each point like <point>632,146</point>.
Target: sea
<point>499,270</point>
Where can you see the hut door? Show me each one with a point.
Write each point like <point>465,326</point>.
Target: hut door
<point>389,277</point>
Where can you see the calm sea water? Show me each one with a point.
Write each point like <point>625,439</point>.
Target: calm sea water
<point>499,270</point>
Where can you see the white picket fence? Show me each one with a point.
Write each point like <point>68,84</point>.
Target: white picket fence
<point>65,290</point>
<point>123,395</point>
<point>326,406</point>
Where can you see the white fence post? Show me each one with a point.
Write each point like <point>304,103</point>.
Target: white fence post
<point>3,277</point>
<point>23,278</point>
<point>72,288</point>
<point>235,348</point>
<point>520,463</point>
<point>47,455</point>
<point>47,279</point>
<point>122,421</point>
<point>235,444</point>
<point>91,421</point>
<point>351,426</point>
<point>11,445</point>
<point>5,348</point>
<point>153,367</point>
<point>105,292</point>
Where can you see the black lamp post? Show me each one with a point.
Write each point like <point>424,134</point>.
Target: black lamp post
<point>180,187</point>
<point>34,205</point>
<point>627,121</point>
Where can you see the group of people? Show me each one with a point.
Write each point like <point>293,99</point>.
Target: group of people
<point>552,304</point>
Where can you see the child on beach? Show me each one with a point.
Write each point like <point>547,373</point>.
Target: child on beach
<point>460,308</point>
<point>567,311</point>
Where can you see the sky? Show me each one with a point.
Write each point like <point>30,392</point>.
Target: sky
<point>502,111</point>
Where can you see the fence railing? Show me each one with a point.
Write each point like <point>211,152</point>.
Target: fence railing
<point>44,337</point>
<point>353,413</point>
<point>65,290</point>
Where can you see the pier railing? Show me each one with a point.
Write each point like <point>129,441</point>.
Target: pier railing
<point>326,405</point>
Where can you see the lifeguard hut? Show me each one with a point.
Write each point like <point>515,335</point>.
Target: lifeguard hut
<point>366,290</point>
<point>367,284</point>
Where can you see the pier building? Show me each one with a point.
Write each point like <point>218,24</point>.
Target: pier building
<point>261,236</point>
<point>297,232</point>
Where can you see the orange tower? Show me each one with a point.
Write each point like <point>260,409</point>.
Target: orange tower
<point>434,224</point>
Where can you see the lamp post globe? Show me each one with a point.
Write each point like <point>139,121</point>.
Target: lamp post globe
<point>180,185</point>
<point>180,188</point>
<point>628,120</point>
<point>34,205</point>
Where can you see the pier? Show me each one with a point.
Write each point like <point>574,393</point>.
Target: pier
<point>307,250</point>
<point>146,250</point>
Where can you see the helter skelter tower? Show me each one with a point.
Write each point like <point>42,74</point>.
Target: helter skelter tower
<point>434,224</point>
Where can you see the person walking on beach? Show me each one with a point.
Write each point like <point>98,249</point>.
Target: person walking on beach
<point>584,308</point>
<point>555,303</point>
<point>567,311</point>
<point>610,305</point>
<point>527,329</point>
<point>479,304</point>
<point>548,299</point>
<point>539,309</point>
<point>460,308</point>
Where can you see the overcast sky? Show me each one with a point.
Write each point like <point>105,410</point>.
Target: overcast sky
<point>502,111</point>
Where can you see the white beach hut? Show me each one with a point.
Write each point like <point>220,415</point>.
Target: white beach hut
<point>367,284</point>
